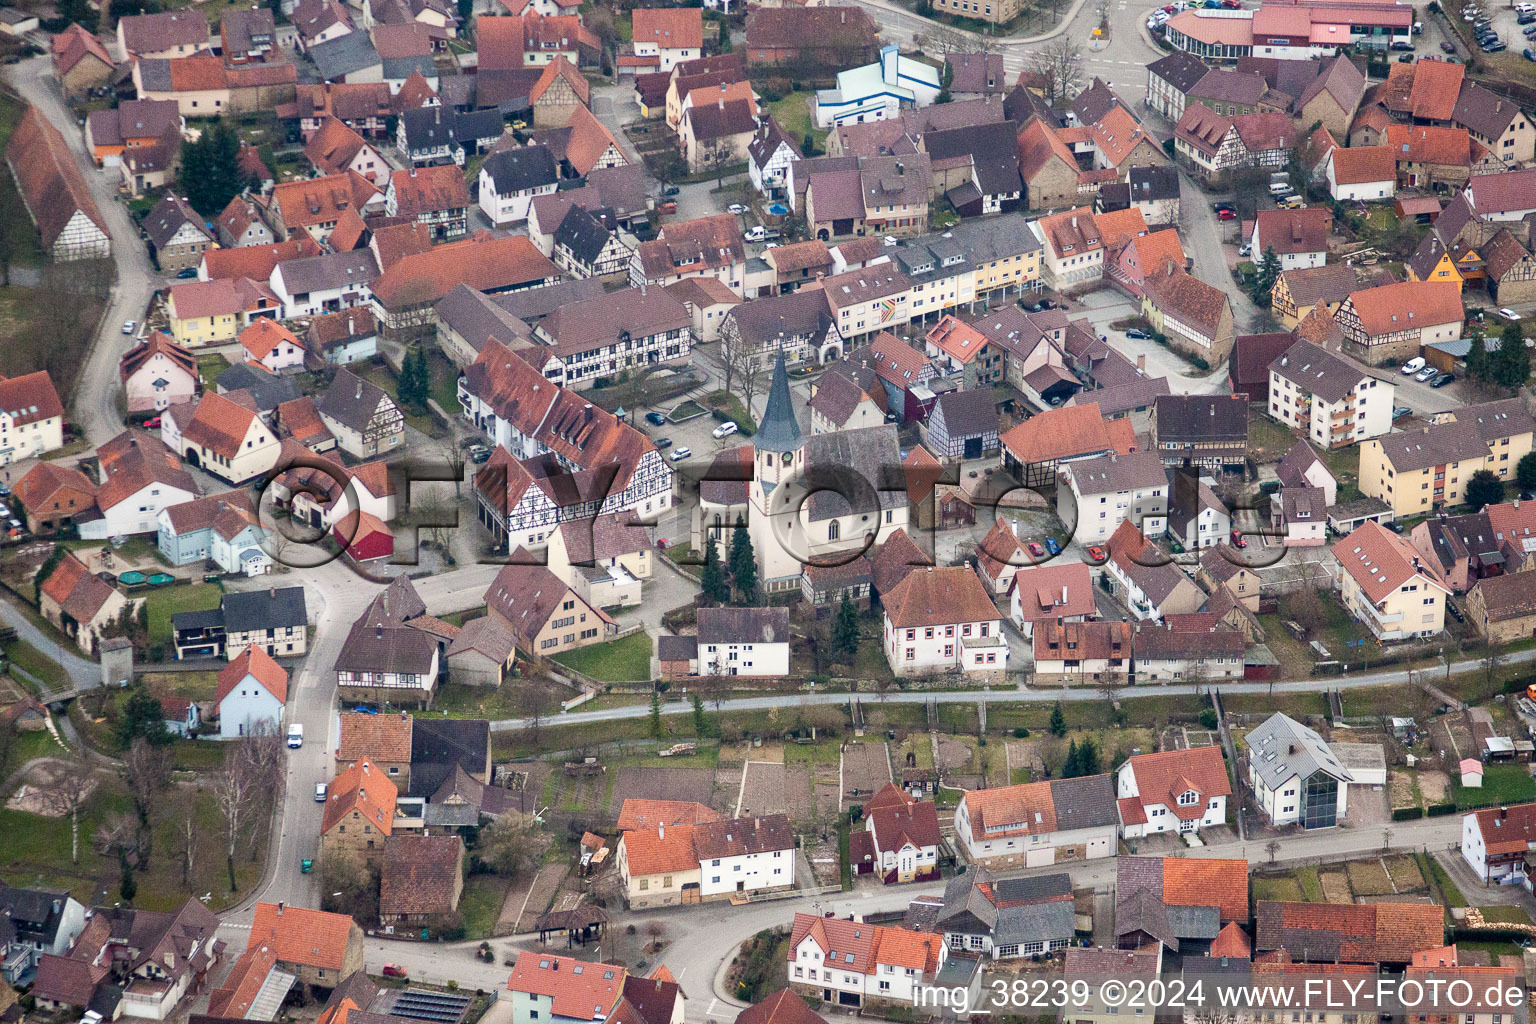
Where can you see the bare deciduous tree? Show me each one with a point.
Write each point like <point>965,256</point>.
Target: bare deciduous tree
<point>943,41</point>
<point>744,368</point>
<point>145,771</point>
<point>235,788</point>
<point>74,783</point>
<point>534,703</point>
<point>1060,65</point>
<point>187,835</point>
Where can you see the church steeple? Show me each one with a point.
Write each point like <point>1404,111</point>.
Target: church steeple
<point>779,432</point>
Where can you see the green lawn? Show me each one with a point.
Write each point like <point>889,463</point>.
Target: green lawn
<point>191,685</point>
<point>167,601</point>
<point>1284,889</point>
<point>1450,894</point>
<point>1505,915</point>
<point>35,663</point>
<point>793,112</point>
<point>618,661</point>
<point>732,407</point>
<point>385,378</point>
<point>210,366</point>
<point>1502,784</point>
<point>481,904</point>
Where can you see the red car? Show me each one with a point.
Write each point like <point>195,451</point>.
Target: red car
<point>1096,553</point>
<point>1226,214</point>
<point>1036,550</point>
<point>1238,540</point>
<point>393,971</point>
<point>153,423</point>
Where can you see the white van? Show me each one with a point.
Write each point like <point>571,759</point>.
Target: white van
<point>295,736</point>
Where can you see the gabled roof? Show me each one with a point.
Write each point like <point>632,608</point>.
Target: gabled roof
<point>1349,932</point>
<point>577,990</point>
<point>1067,433</point>
<point>74,589</point>
<point>382,739</point>
<point>1163,776</point>
<point>314,938</point>
<point>1359,165</point>
<point>366,790</point>
<point>937,596</point>
<point>1381,562</point>
<point>1317,371</point>
<point>1502,193</point>
<point>148,33</point>
<point>783,1007</point>
<point>258,665</point>
<point>48,177</point>
<point>670,29</point>
<point>420,874</point>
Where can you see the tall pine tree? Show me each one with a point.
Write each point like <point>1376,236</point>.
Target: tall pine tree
<point>1058,720</point>
<point>744,563</point>
<point>1512,363</point>
<point>210,169</point>
<point>712,580</point>
<point>1072,769</point>
<point>1477,357</point>
<point>845,629</point>
<point>655,713</point>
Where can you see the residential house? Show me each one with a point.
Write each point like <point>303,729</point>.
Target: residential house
<point>393,651</point>
<point>963,425</point>
<point>1169,81</point>
<point>434,196</point>
<point>606,560</point>
<point>1180,904</point>
<point>708,302</point>
<point>590,245</point>
<point>769,155</point>
<point>79,604</point>
<point>270,345</point>
<point>961,628</point>
<point>1295,777</point>
<point>1481,545</point>
<point>360,810</point>
<point>668,37</point>
<point>315,206</point>
<point>1038,823</point>
<point>1298,292</point>
<point>1074,250</point>
<point>251,695</point>
<point>384,740</point>
<point>811,38</point>
<point>1388,586</point>
<point>222,436</point>
<point>157,373</point>
<point>742,642</point>
<point>320,948</point>
<point>1248,370</point>
<point>874,963</point>
<point>1145,579</point>
<point>1195,317</point>
<point>1006,918</point>
<point>138,478</point>
<point>166,34</point>
<point>132,124</point>
<point>1302,468</point>
<point>706,860</point>
<point>551,987</point>
<point>1097,495</point>
<point>1299,516</point>
<point>336,149</point>
<point>510,179</point>
<point>1197,518</point>
<point>1361,172</point>
<point>1331,398</point>
<point>346,336</point>
<point>1208,432</point>
<point>716,135</point>
<point>707,247</point>
<point>1298,237</point>
<point>80,62</point>
<point>1419,470</point>
<point>1059,593</point>
<point>247,36</point>
<point>1174,791</point>
<point>214,312</point>
<point>365,421</point>
<point>220,528</point>
<point>544,614</point>
<point>1393,321</point>
<point>55,497</point>
<point>1501,608</point>
<point>1494,842</point>
<point>903,836</point>
<point>1035,449</point>
<point>274,620</point>
<point>177,234</point>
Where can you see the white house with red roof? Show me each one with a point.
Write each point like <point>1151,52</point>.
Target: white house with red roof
<point>904,836</point>
<point>31,417</point>
<point>849,962</point>
<point>546,987</point>
<point>271,346</point>
<point>1172,791</point>
<point>942,620</point>
<point>1495,841</point>
<point>1062,592</point>
<point>253,690</point>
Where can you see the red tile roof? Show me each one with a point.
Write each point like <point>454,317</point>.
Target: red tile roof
<point>46,483</point>
<point>1361,164</point>
<point>1066,433</point>
<point>1389,308</point>
<point>669,28</point>
<point>643,813</point>
<point>937,596</point>
<point>74,589</point>
<point>577,990</point>
<point>1161,778</point>
<point>314,938</point>
<point>48,177</point>
<point>484,263</point>
<point>366,790</point>
<point>257,261</point>
<point>258,664</point>
<point>30,398</point>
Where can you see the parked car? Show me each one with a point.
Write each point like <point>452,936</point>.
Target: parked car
<point>663,443</point>
<point>1137,335</point>
<point>1442,380</point>
<point>1529,31</point>
<point>669,206</point>
<point>1218,207</point>
<point>1447,47</point>
<point>1401,411</point>
<point>153,423</point>
<point>737,209</point>
<point>679,454</point>
<point>186,273</point>
<point>1401,44</point>
<point>394,971</point>
<point>1226,213</point>
<point>320,788</point>
<point>655,419</point>
<point>1406,58</point>
<point>1036,550</point>
<point>1425,375</point>
<point>1505,311</point>
<point>670,190</point>
<point>129,325</point>
<point>479,453</point>
<point>1237,538</point>
<point>725,429</point>
<point>1413,365</point>
<point>1052,546</point>
<point>1494,46</point>
<point>1096,553</point>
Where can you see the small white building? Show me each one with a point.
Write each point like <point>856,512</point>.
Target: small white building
<point>1173,791</point>
<point>847,962</point>
<point>253,690</point>
<point>510,179</point>
<point>1295,777</point>
<point>877,92</point>
<point>743,642</point>
<point>744,855</point>
<point>769,155</point>
<point>1495,840</point>
<point>1364,173</point>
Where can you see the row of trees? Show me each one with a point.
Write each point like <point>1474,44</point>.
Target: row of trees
<point>1508,366</point>
<point>719,588</point>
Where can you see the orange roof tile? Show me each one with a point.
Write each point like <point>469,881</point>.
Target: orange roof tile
<point>1394,307</point>
<point>1360,164</point>
<point>577,990</point>
<point>657,851</point>
<point>484,263</point>
<point>315,938</point>
<point>258,664</point>
<point>264,335</point>
<point>1207,882</point>
<point>366,790</point>
<point>1068,432</point>
<point>1161,777</point>
<point>670,28</point>
<point>642,813</point>
<point>1231,941</point>
<point>1412,143</point>
<point>382,739</point>
<point>936,596</point>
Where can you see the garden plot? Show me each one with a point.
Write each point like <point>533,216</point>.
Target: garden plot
<point>696,784</point>
<point>1336,887</point>
<point>866,767</point>
<point>1025,754</point>
<point>769,788</point>
<point>954,756</point>
<point>36,793</point>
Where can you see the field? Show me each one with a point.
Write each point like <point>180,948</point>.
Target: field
<point>777,789</point>
<point>866,768</point>
<point>695,784</point>
<point>36,664</point>
<point>1502,784</point>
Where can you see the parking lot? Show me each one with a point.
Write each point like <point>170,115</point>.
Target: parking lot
<point>1503,21</point>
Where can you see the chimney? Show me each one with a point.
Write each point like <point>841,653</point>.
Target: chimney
<point>661,830</point>
<point>843,16</point>
<point>404,716</point>
<point>280,905</point>
<point>901,169</point>
<point>720,100</point>
<point>272,593</point>
<point>1141,363</point>
<point>378,632</point>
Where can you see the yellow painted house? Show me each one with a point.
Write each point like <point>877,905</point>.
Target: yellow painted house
<point>1417,471</point>
<point>1434,262</point>
<point>214,312</point>
<point>1387,586</point>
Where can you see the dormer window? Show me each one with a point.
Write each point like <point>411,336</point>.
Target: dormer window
<point>1188,798</point>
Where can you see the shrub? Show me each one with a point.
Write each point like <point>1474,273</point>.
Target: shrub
<point>1407,813</point>
<point>1208,718</point>
<point>1020,733</point>
<point>1436,810</point>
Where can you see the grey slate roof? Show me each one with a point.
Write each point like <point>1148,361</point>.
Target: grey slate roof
<point>1149,184</point>
<point>268,389</point>
<point>519,168</point>
<point>329,270</point>
<point>744,625</point>
<point>532,304</point>
<point>167,218</point>
<point>344,55</point>
<point>969,243</point>
<point>1202,419</point>
<point>1110,474</point>
<point>854,472</point>
<point>401,67</point>
<point>1282,747</point>
<point>583,233</point>
<point>677,648</point>
<point>1179,69</point>
<point>274,608</point>
<point>1319,372</point>
<point>967,413</point>
<point>351,400</point>
<point>1084,803</point>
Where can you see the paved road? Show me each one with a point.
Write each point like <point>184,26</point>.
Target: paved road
<point>95,407</point>
<point>82,673</point>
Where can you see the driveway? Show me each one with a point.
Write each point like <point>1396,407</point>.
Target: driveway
<point>95,401</point>
<point>1105,306</point>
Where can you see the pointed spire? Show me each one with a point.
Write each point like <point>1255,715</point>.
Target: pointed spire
<point>778,432</point>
